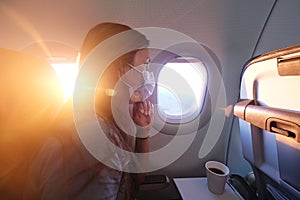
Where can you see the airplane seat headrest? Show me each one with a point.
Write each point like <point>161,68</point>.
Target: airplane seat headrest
<point>29,89</point>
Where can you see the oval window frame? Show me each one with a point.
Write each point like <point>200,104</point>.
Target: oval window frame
<point>188,115</point>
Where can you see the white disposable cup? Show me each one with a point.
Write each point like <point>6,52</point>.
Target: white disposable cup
<point>216,181</point>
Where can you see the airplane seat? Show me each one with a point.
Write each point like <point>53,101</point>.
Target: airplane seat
<point>269,121</point>
<point>30,99</point>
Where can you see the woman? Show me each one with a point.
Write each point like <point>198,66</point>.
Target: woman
<point>64,169</point>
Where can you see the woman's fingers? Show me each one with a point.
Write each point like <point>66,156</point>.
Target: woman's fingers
<point>143,113</point>
<point>145,107</point>
<point>150,108</point>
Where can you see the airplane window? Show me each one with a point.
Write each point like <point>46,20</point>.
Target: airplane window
<point>67,73</point>
<point>181,89</point>
<point>63,58</point>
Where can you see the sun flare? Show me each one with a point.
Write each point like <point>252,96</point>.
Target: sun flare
<point>67,73</point>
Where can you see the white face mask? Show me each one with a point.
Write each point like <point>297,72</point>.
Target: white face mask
<point>135,85</point>
<point>140,81</point>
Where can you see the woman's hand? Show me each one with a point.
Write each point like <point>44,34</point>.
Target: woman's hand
<point>142,113</point>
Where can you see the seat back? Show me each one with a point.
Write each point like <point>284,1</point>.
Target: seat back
<point>269,112</point>
<point>30,97</point>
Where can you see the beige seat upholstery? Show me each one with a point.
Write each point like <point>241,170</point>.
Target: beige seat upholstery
<point>30,98</point>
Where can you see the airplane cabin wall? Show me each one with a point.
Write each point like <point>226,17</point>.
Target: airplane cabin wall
<point>283,27</point>
<point>230,30</point>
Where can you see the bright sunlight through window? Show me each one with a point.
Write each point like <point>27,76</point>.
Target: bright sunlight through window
<point>181,89</point>
<point>67,73</point>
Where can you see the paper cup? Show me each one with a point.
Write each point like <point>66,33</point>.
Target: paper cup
<point>217,174</point>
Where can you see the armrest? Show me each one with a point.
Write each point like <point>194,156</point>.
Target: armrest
<point>275,120</point>
<point>154,182</point>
